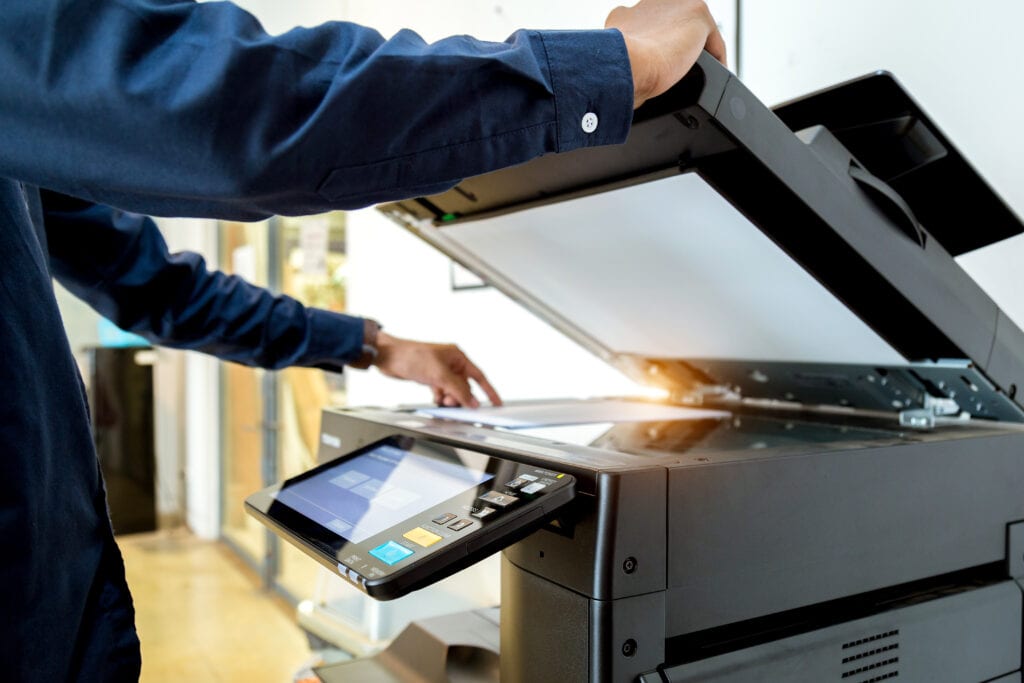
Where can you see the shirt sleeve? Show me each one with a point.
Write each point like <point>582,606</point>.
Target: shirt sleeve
<point>119,264</point>
<point>172,107</point>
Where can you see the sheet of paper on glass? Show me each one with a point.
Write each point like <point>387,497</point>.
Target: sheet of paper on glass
<point>552,413</point>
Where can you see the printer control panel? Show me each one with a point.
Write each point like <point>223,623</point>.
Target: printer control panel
<point>402,513</point>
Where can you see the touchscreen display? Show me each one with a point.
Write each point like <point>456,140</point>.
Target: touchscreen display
<point>362,496</point>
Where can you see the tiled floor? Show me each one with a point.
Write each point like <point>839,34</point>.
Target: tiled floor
<point>202,616</point>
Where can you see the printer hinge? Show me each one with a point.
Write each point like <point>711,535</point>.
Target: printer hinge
<point>703,394</point>
<point>934,408</point>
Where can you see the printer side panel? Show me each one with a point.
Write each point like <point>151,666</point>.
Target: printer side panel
<point>597,585</point>
<point>610,545</point>
<point>970,636</point>
<point>754,538</point>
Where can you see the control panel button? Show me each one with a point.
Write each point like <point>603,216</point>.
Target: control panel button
<point>443,519</point>
<point>421,536</point>
<point>533,488</point>
<point>483,512</point>
<point>390,553</point>
<point>517,482</point>
<point>502,500</point>
<point>459,525</point>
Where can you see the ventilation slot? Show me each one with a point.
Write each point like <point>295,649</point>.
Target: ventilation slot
<point>891,674</point>
<point>871,667</point>
<point>861,665</point>
<point>870,653</point>
<point>871,639</point>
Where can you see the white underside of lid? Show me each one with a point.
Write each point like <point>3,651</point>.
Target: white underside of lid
<point>669,269</point>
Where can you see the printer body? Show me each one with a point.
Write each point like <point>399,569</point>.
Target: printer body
<point>846,502</point>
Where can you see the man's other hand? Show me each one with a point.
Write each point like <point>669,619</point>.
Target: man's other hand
<point>664,39</point>
<point>442,367</point>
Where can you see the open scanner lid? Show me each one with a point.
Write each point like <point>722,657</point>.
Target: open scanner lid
<point>729,252</point>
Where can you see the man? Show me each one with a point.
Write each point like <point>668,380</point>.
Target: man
<point>174,108</point>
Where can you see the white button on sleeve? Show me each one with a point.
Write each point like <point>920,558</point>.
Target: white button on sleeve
<point>589,122</point>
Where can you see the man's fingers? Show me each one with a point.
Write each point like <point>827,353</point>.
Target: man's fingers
<point>615,17</point>
<point>477,375</point>
<point>457,387</point>
<point>716,46</point>
<point>663,38</point>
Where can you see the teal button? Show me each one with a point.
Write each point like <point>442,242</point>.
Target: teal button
<point>391,553</point>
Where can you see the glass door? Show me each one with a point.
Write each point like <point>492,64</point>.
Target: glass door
<point>272,420</point>
<point>312,265</point>
<point>244,251</point>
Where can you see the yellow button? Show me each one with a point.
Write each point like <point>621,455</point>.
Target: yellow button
<point>421,536</point>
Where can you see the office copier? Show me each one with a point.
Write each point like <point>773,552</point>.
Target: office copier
<point>833,489</point>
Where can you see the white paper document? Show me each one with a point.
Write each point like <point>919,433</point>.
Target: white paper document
<point>548,414</point>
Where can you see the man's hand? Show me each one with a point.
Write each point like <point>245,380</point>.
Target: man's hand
<point>442,367</point>
<point>664,39</point>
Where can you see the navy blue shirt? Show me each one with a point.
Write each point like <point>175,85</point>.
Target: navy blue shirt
<point>175,108</point>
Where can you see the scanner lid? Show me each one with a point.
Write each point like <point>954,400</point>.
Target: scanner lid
<point>726,251</point>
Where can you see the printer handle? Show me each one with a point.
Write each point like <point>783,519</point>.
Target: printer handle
<point>890,202</point>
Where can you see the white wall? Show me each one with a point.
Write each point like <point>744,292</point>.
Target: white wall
<point>485,20</point>
<point>961,61</point>
<point>278,17</point>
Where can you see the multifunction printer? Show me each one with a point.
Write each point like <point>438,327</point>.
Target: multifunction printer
<point>833,487</point>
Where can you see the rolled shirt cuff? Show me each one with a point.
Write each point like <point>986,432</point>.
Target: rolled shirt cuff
<point>334,340</point>
<point>593,87</point>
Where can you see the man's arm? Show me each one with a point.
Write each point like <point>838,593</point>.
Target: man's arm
<point>119,264</point>
<point>172,107</point>
<point>176,107</point>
